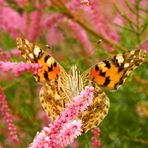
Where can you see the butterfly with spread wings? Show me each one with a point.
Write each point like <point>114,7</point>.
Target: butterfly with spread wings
<point>59,87</point>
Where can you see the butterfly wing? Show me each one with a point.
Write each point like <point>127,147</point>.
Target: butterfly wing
<point>53,96</point>
<point>97,111</point>
<point>110,73</point>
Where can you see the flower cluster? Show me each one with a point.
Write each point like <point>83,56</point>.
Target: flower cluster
<point>18,68</point>
<point>32,24</point>
<point>4,56</point>
<point>66,127</point>
<point>7,117</point>
<point>95,139</point>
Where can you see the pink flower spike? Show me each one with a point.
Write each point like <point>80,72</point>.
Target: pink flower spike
<point>81,35</point>
<point>144,46</point>
<point>86,2</point>
<point>80,103</point>
<point>118,20</point>
<point>69,132</point>
<point>5,111</point>
<point>66,135</point>
<point>65,128</point>
<point>35,25</point>
<point>96,143</point>
<point>13,26</point>
<point>96,131</point>
<point>18,68</point>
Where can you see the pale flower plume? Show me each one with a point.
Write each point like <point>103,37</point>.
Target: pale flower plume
<point>66,127</point>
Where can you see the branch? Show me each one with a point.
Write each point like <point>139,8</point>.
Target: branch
<point>90,30</point>
<point>138,140</point>
<point>139,80</point>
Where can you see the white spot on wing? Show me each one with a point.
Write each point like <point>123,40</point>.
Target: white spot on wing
<point>126,65</point>
<point>36,51</point>
<point>26,42</point>
<point>120,59</point>
<point>132,52</point>
<point>50,61</point>
<point>31,55</point>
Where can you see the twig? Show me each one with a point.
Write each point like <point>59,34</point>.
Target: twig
<point>90,30</point>
<point>139,80</point>
<point>131,23</point>
<point>123,27</point>
<point>138,140</point>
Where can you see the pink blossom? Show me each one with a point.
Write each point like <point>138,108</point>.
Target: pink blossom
<point>96,143</point>
<point>54,36</point>
<point>4,56</point>
<point>18,68</point>
<point>12,22</point>
<point>27,24</point>
<point>16,52</point>
<point>86,2</point>
<point>74,144</point>
<point>50,20</point>
<point>34,26</point>
<point>144,46</point>
<point>100,24</point>
<point>118,20</point>
<point>42,4</point>
<point>96,131</point>
<point>1,2</point>
<point>21,2</point>
<point>70,131</point>
<point>73,5</point>
<point>144,3</point>
<point>5,110</point>
<point>1,146</point>
<point>81,35</point>
<point>66,135</point>
<point>65,128</point>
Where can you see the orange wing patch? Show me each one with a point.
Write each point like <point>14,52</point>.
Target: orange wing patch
<point>50,69</point>
<point>34,54</point>
<point>106,76</point>
<point>111,73</point>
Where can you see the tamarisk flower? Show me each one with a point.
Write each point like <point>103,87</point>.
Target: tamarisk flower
<point>4,56</point>
<point>12,22</point>
<point>35,25</point>
<point>100,24</point>
<point>81,35</point>
<point>95,139</point>
<point>18,68</point>
<point>86,2</point>
<point>5,111</point>
<point>66,127</point>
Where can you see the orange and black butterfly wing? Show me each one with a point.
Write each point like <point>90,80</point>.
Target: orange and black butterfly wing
<point>110,73</point>
<point>53,77</point>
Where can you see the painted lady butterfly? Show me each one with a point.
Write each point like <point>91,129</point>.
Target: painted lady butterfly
<point>58,87</point>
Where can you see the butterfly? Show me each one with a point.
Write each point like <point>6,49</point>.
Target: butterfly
<point>59,87</point>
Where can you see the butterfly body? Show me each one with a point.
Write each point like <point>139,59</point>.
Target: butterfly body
<point>59,87</point>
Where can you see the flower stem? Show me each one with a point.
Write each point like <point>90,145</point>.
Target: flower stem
<point>90,30</point>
